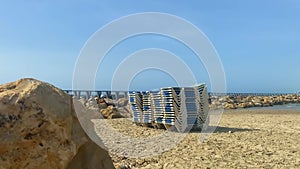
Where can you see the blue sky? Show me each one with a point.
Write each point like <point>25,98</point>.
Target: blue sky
<point>257,41</point>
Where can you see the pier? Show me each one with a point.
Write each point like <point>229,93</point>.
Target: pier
<point>97,93</point>
<point>124,94</point>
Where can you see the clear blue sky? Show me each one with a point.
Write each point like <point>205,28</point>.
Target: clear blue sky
<point>257,41</point>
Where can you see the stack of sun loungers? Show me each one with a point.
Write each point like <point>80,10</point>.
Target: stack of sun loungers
<point>155,100</point>
<point>185,108</point>
<point>188,115</point>
<point>202,105</point>
<point>170,104</point>
<point>135,100</point>
<point>147,115</point>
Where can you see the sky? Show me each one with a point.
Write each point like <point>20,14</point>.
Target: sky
<point>257,41</point>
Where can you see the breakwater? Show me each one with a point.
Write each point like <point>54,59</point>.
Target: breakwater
<point>235,101</point>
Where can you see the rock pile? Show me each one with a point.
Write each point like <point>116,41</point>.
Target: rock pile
<point>110,113</point>
<point>108,108</point>
<point>120,106</point>
<point>123,107</point>
<point>234,102</point>
<point>39,129</point>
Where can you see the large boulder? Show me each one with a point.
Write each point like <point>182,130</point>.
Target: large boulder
<point>39,129</point>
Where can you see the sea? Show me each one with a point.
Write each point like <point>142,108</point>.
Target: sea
<point>291,106</point>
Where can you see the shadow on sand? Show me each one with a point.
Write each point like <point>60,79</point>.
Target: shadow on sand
<point>220,129</point>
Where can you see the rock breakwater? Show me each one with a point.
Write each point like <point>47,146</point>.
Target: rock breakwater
<point>106,108</point>
<point>239,101</point>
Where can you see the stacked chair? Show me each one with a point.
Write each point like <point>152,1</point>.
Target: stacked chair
<point>188,115</point>
<point>147,115</point>
<point>202,105</point>
<point>156,102</point>
<point>185,108</point>
<point>135,101</point>
<point>170,105</point>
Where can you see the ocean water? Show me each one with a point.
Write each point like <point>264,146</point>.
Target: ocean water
<point>291,106</point>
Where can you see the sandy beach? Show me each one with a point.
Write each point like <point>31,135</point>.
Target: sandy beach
<point>243,139</point>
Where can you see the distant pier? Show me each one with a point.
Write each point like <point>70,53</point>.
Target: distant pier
<point>124,94</point>
<point>97,93</point>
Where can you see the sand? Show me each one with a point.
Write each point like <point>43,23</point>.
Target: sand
<point>244,139</point>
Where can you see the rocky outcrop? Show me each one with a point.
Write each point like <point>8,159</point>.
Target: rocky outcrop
<point>39,129</point>
<point>110,113</point>
<point>234,102</point>
<point>101,108</point>
<point>124,107</point>
<point>114,108</point>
